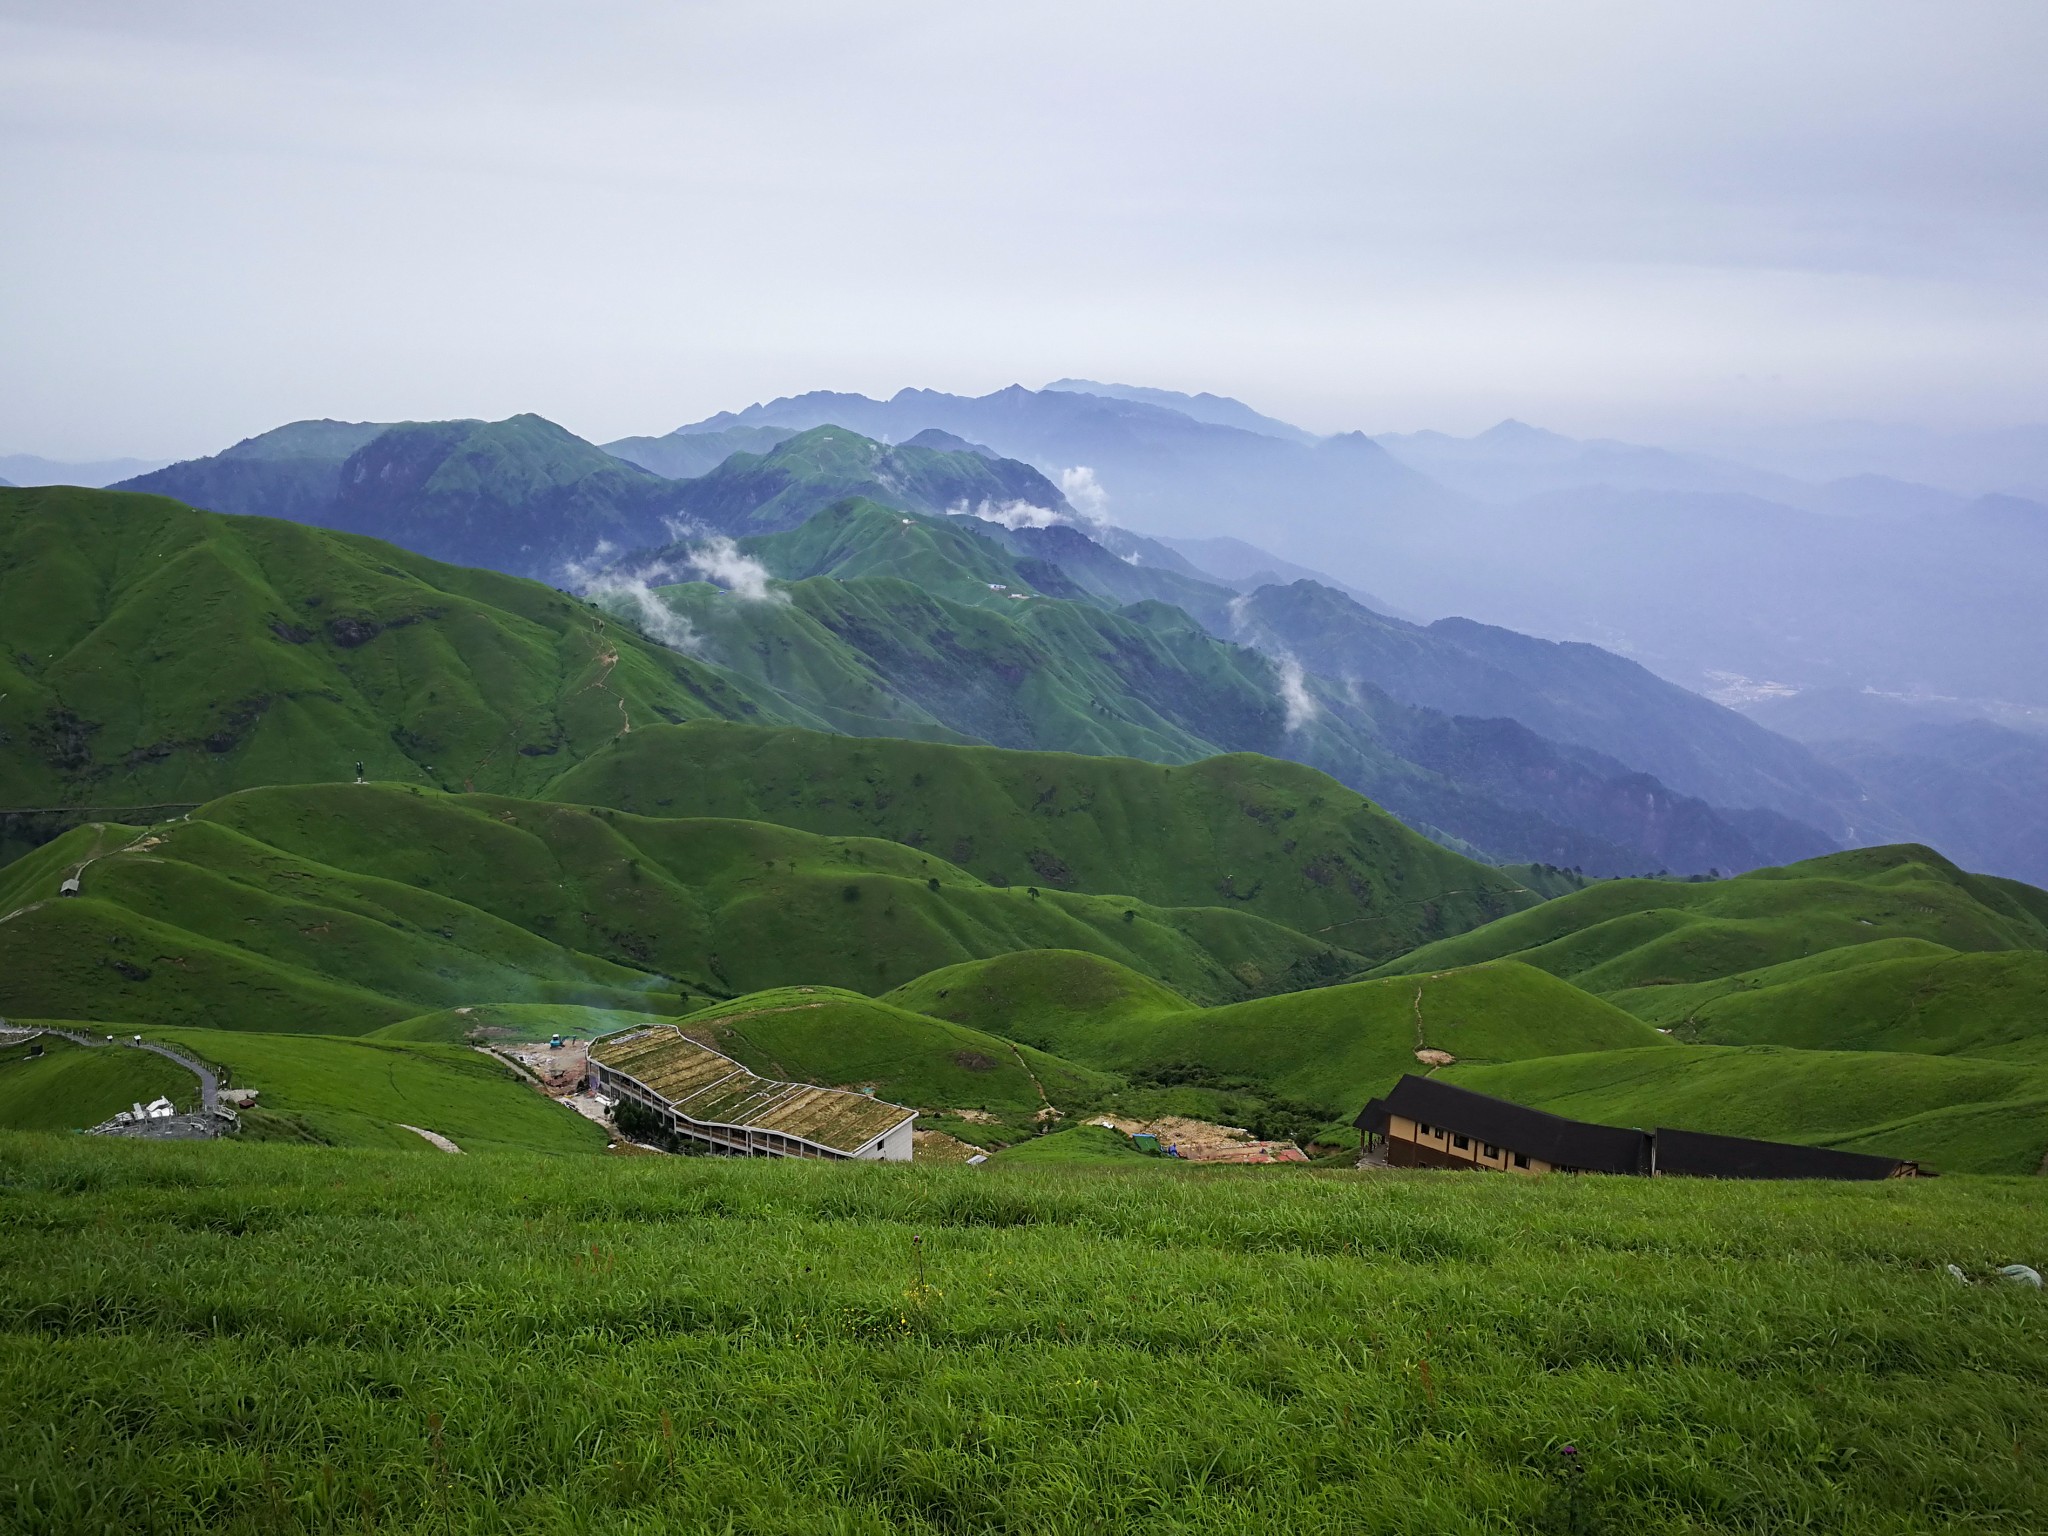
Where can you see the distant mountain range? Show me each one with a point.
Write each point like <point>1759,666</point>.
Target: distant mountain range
<point>33,469</point>
<point>1061,478</point>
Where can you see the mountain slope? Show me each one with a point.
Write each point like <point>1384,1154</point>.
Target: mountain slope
<point>766,492</point>
<point>150,653</point>
<point>1632,933</point>
<point>1576,694</point>
<point>1883,949</point>
<point>1332,1048</point>
<point>926,625</point>
<point>1254,834</point>
<point>344,908</point>
<point>520,495</point>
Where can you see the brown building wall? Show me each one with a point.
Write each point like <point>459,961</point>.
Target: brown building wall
<point>1413,1145</point>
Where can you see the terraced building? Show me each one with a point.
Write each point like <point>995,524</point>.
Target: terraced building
<point>697,1092</point>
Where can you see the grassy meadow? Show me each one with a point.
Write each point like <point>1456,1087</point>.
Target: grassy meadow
<point>249,1338</point>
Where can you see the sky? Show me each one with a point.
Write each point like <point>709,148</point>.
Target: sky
<point>1635,218</point>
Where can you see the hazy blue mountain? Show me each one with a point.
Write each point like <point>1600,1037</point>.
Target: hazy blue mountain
<point>1162,472</point>
<point>2013,460</point>
<point>33,469</point>
<point>1974,788</point>
<point>293,471</point>
<point>1247,567</point>
<point>811,469</point>
<point>949,627</point>
<point>1575,694</point>
<point>685,455</point>
<point>1513,461</point>
<point>1218,410</point>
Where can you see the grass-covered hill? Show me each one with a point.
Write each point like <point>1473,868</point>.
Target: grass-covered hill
<point>520,495</point>
<point>1959,1114</point>
<point>1253,834</point>
<point>53,1084</point>
<point>343,909</point>
<point>752,493</point>
<point>1331,1048</point>
<point>1042,665</point>
<point>311,1088</point>
<point>1625,936</point>
<point>1985,1005</point>
<point>842,1039</point>
<point>150,653</point>
<point>285,1336</point>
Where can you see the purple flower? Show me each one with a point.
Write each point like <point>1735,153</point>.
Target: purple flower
<point>1570,1450</point>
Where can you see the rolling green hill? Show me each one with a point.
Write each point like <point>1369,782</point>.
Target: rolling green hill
<point>1992,1005</point>
<point>1879,949</point>
<point>1628,934</point>
<point>1254,834</point>
<point>150,653</point>
<point>1959,1115</point>
<point>343,909</point>
<point>53,1084</point>
<point>844,1040</point>
<point>1332,1048</point>
<point>364,1093</point>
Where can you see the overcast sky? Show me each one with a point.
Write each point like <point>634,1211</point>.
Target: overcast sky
<point>1604,217</point>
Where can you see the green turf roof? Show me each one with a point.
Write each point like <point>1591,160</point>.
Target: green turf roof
<point>704,1086</point>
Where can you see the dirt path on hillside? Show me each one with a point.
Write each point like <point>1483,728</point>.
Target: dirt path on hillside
<point>433,1137</point>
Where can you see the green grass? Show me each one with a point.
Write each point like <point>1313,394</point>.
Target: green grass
<point>152,653</point>
<point>1635,933</point>
<point>1254,834</point>
<point>1877,949</point>
<point>343,909</point>
<point>514,1021</point>
<point>68,1087</point>
<point>1331,1048</point>
<point>1971,1005</point>
<point>841,1039</point>
<point>1956,1113</point>
<point>363,1093</point>
<point>250,1338</point>
<point>1086,1144</point>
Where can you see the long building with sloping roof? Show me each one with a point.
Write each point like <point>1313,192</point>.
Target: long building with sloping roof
<point>1422,1122</point>
<point>711,1098</point>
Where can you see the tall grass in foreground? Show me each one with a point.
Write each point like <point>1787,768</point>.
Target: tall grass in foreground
<point>252,1339</point>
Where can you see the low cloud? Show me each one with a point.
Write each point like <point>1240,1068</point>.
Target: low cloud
<point>1011,514</point>
<point>1294,693</point>
<point>718,559</point>
<point>629,592</point>
<point>1295,698</point>
<point>1085,494</point>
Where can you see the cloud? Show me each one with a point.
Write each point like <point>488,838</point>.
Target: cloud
<point>719,560</point>
<point>1011,514</point>
<point>1085,494</point>
<point>629,593</point>
<point>1299,703</point>
<point>1294,693</point>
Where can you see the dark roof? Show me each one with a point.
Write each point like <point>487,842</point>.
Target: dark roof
<point>1697,1154</point>
<point>1558,1141</point>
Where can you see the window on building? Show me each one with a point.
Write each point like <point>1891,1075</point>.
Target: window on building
<point>1492,1150</point>
<point>1461,1143</point>
<point>1521,1161</point>
<point>1421,1129</point>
